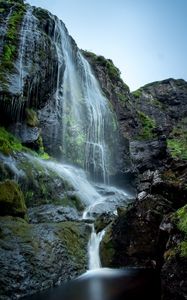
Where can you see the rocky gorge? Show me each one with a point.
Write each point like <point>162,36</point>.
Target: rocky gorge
<point>54,167</point>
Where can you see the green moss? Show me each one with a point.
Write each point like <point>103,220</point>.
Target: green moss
<point>44,155</point>
<point>11,199</point>
<point>31,117</point>
<point>178,149</point>
<point>8,143</point>
<point>122,97</point>
<point>147,125</point>
<point>75,240</point>
<point>137,93</point>
<point>181,217</point>
<point>180,220</point>
<point>11,39</point>
<point>177,142</point>
<point>183,249</point>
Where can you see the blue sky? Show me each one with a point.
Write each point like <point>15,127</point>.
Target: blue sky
<point>146,39</point>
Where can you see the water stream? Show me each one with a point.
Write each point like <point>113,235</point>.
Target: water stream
<point>85,122</point>
<point>97,199</point>
<point>93,248</point>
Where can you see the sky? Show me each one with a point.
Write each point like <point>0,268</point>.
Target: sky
<point>146,39</point>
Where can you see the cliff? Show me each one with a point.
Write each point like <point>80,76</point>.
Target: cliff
<point>136,140</point>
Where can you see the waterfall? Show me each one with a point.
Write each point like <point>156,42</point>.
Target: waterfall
<point>93,248</point>
<point>88,124</point>
<point>20,78</point>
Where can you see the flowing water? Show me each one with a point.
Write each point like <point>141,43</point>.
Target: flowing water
<point>93,248</point>
<point>88,124</point>
<point>86,127</point>
<point>94,197</point>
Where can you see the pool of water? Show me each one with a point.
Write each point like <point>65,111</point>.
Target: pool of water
<point>107,284</point>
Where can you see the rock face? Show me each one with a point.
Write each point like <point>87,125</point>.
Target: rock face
<point>149,233</point>
<point>173,272</point>
<point>36,257</point>
<point>156,135</point>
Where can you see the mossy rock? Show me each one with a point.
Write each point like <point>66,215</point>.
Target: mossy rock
<point>107,248</point>
<point>177,246</point>
<point>11,199</point>
<point>31,118</point>
<point>48,254</point>
<point>8,143</point>
<point>181,219</point>
<point>147,127</point>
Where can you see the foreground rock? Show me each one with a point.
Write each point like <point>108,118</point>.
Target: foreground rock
<point>133,240</point>
<point>36,257</point>
<point>174,271</point>
<point>152,231</point>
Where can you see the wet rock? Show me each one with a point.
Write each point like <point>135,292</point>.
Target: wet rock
<point>174,272</point>
<point>52,213</point>
<point>36,257</point>
<point>103,221</point>
<point>28,135</point>
<point>148,155</point>
<point>165,101</point>
<point>132,240</point>
<point>12,200</point>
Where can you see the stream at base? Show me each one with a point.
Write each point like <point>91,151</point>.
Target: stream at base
<point>107,284</point>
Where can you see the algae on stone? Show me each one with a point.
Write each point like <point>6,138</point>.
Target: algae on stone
<point>11,199</point>
<point>31,117</point>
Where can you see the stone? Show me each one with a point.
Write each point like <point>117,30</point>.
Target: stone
<point>34,257</point>
<point>52,213</point>
<point>12,200</point>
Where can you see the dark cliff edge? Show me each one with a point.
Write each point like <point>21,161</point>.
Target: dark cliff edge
<point>39,213</point>
<point>152,231</point>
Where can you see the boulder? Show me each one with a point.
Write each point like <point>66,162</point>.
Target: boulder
<point>39,256</point>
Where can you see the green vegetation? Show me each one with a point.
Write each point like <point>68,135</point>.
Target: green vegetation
<point>177,148</point>
<point>112,70</point>
<point>147,125</point>
<point>11,39</point>
<point>183,249</point>
<point>74,239</point>
<point>8,143</point>
<point>11,199</point>
<point>31,117</point>
<point>177,142</point>
<point>137,93</point>
<point>181,218</point>
<point>122,97</point>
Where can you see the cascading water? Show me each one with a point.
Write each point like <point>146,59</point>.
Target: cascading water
<point>93,248</point>
<point>88,124</point>
<point>82,120</point>
<point>91,196</point>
